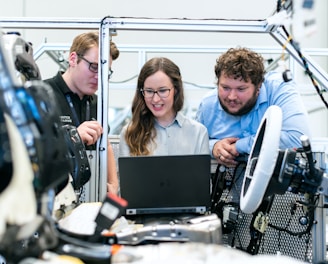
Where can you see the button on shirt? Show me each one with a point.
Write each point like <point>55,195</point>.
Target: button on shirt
<point>184,136</point>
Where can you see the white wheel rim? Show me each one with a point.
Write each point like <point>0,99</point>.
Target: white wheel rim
<point>263,156</point>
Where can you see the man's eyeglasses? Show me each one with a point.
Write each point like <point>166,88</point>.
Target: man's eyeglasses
<point>93,67</point>
<point>110,73</point>
<point>162,93</point>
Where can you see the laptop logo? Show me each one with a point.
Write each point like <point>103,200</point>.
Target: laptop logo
<point>165,183</point>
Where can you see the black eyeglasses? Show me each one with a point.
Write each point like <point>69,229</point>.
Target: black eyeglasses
<point>110,73</point>
<point>162,93</point>
<point>93,67</point>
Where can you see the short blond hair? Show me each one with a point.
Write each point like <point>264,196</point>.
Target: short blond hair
<point>85,41</point>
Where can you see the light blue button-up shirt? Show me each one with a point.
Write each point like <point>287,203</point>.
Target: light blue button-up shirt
<point>274,91</point>
<point>184,136</point>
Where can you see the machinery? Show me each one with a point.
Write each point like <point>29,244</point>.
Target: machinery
<point>273,202</point>
<point>272,171</point>
<point>272,174</point>
<point>30,127</point>
<point>37,156</point>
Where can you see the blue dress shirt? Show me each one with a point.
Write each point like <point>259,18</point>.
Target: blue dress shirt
<point>274,91</point>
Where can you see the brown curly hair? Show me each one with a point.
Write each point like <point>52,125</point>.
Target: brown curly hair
<point>241,63</point>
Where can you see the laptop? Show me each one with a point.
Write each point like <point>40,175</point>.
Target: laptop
<point>165,184</point>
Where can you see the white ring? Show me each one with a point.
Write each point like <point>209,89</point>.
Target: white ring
<point>262,160</point>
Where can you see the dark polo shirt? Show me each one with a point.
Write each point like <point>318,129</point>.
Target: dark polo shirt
<point>80,111</point>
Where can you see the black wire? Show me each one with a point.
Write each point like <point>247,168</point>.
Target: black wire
<point>306,66</point>
<point>235,179</point>
<point>307,230</point>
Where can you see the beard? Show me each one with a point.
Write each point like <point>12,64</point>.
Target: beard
<point>247,107</point>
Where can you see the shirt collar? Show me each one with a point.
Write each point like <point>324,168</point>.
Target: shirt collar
<point>179,119</point>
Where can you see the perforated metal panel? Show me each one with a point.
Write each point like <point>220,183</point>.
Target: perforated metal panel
<point>286,233</point>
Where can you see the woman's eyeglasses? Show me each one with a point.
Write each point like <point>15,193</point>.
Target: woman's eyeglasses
<point>162,93</point>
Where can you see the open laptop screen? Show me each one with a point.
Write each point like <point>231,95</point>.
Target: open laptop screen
<point>165,184</point>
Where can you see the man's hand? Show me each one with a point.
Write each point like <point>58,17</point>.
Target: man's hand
<point>89,132</point>
<point>225,151</point>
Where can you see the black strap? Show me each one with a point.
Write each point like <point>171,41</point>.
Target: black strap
<point>222,182</point>
<point>218,187</point>
<point>87,111</point>
<point>76,120</point>
<point>256,236</point>
<point>75,117</point>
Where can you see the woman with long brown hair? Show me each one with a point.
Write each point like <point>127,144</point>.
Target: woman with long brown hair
<point>157,126</point>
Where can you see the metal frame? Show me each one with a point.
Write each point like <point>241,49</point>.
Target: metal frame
<point>185,25</point>
<point>109,26</point>
<point>319,74</point>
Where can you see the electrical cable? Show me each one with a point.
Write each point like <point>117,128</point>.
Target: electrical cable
<point>306,66</point>
<point>308,228</point>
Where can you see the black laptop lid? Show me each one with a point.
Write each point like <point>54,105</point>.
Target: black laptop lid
<point>165,184</point>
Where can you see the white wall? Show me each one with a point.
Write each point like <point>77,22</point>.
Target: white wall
<point>196,68</point>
